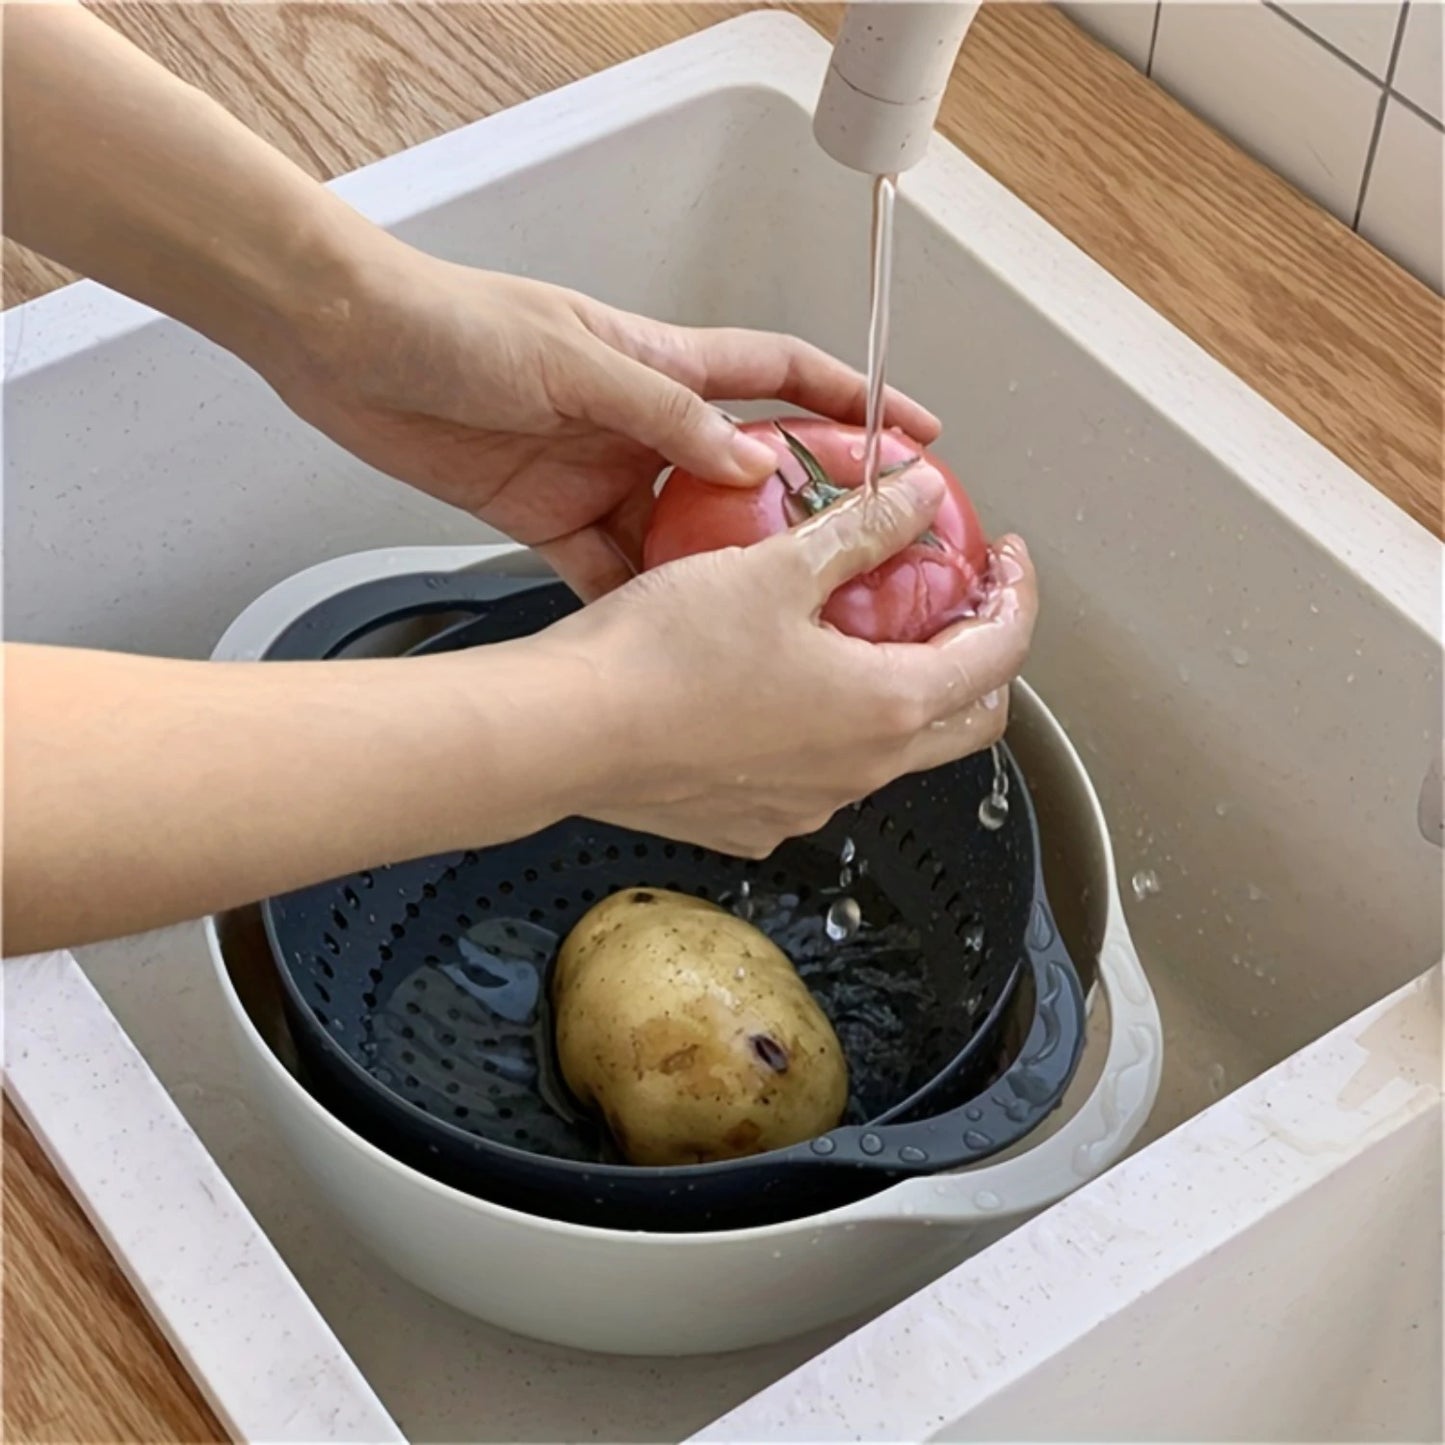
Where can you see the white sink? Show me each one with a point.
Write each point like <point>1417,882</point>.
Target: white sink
<point>1242,636</point>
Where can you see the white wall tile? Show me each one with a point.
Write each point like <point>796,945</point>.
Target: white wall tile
<point>1418,73</point>
<point>1404,214</point>
<point>1363,30</point>
<point>1123,25</point>
<point>1274,90</point>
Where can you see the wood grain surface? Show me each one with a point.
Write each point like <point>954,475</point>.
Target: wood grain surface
<point>1336,336</point>
<point>82,1360</point>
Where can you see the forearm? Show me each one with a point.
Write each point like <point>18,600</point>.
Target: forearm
<point>118,169</point>
<point>141,791</point>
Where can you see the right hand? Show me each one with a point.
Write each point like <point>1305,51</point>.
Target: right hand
<point>733,718</point>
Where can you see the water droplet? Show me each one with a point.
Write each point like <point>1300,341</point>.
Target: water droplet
<point>1221,809</point>
<point>1255,892</point>
<point>987,1199</point>
<point>1239,657</point>
<point>1013,386</point>
<point>848,852</point>
<point>1215,1079</point>
<point>824,1145</point>
<point>1349,677</point>
<point>1145,883</point>
<point>972,938</point>
<point>742,903</point>
<point>993,812</point>
<point>1314,607</point>
<point>909,1155</point>
<point>843,920</point>
<point>1079,515</point>
<point>1184,674</point>
<point>973,1113</point>
<point>871,1144</point>
<point>741,973</point>
<point>976,1139</point>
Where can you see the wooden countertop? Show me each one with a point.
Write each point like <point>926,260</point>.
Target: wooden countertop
<point>1335,335</point>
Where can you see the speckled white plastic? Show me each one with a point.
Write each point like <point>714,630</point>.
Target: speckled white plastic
<point>891,63</point>
<point>1239,633</point>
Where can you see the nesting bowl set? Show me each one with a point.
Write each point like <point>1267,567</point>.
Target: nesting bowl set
<point>1001,1050</point>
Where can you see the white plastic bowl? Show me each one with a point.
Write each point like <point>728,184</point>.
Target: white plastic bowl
<point>667,1294</point>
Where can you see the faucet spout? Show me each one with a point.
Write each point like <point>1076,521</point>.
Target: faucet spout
<point>891,64</point>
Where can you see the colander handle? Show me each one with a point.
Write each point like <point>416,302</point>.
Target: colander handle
<point>1090,1142</point>
<point>336,622</point>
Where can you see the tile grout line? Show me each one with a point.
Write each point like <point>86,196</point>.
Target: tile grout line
<point>1417,109</point>
<point>1274,7</point>
<point>1380,116</point>
<point>1387,80</point>
<point>1360,69</point>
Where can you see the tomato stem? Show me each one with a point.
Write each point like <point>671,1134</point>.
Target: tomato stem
<point>820,491</point>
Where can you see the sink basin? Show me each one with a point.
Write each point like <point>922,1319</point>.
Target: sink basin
<point>1242,637</point>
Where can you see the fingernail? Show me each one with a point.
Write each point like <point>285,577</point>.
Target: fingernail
<point>753,457</point>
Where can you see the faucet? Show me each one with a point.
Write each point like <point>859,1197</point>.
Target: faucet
<point>890,67</point>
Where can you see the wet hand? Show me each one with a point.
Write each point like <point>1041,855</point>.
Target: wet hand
<point>729,716</point>
<point>542,412</point>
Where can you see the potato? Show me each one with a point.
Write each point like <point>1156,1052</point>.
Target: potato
<point>691,1033</point>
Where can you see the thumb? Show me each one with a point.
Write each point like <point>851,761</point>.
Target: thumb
<point>628,396</point>
<point>864,530</point>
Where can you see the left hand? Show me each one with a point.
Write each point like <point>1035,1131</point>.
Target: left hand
<point>544,413</point>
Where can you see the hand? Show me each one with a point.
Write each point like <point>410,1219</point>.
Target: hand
<point>731,717</point>
<point>544,413</point>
